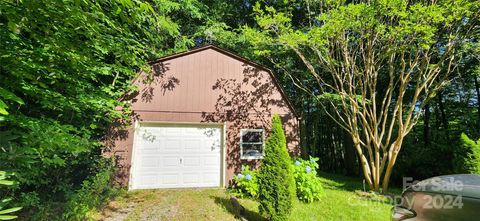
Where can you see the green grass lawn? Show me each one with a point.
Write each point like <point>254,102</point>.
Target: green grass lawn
<point>343,200</point>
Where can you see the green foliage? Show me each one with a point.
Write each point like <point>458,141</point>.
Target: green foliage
<point>6,214</point>
<point>66,66</point>
<point>95,192</point>
<point>366,56</point>
<point>246,183</point>
<point>275,180</point>
<point>7,95</point>
<point>467,159</point>
<point>308,184</point>
<point>48,148</point>
<point>417,24</point>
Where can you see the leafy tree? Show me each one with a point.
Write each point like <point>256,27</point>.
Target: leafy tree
<point>375,65</point>
<point>65,67</point>
<point>275,180</point>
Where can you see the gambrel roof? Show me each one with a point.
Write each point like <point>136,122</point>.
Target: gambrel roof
<point>235,56</point>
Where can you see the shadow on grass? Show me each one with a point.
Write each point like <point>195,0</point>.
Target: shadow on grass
<point>340,182</point>
<point>387,199</point>
<point>247,214</point>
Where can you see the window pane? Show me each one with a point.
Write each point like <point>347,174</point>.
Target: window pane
<point>252,150</point>
<point>252,137</point>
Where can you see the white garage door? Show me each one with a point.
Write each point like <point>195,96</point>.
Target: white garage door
<point>176,156</point>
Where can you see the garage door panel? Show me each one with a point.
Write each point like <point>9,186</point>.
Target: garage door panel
<point>191,178</point>
<point>169,178</point>
<point>210,178</point>
<point>148,144</point>
<point>193,131</point>
<point>205,161</point>
<point>212,148</point>
<point>211,161</point>
<point>172,131</point>
<point>171,144</point>
<point>170,161</point>
<point>147,152</point>
<point>149,162</point>
<point>193,145</point>
<point>192,161</point>
<point>148,136</point>
<point>147,179</point>
<point>176,156</point>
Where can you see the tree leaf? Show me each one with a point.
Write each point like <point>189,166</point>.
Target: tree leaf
<point>7,217</point>
<point>10,96</point>
<point>11,210</point>
<point>6,182</point>
<point>3,108</point>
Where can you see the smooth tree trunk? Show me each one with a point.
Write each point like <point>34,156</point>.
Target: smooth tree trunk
<point>477,89</point>
<point>350,155</point>
<point>303,130</point>
<point>443,114</point>
<point>391,163</point>
<point>426,125</point>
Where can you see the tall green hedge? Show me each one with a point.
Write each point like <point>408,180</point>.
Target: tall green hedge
<point>276,183</point>
<point>467,160</point>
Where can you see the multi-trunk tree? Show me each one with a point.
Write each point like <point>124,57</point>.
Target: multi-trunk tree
<point>374,64</point>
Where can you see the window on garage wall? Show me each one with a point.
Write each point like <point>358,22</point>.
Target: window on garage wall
<point>252,143</point>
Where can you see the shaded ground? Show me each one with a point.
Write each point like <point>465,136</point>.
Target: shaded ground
<point>171,204</point>
<point>344,200</point>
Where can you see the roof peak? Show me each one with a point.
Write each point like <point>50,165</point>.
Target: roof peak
<point>205,47</point>
<point>233,55</point>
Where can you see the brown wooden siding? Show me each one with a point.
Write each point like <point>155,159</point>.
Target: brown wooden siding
<point>208,86</point>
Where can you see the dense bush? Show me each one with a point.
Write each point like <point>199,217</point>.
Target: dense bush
<point>73,203</point>
<point>246,184</point>
<point>307,183</point>
<point>276,184</point>
<point>467,159</point>
<point>49,154</point>
<point>94,192</point>
<point>418,155</point>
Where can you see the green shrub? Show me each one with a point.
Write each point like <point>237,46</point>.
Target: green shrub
<point>94,192</point>
<point>48,155</point>
<point>467,160</point>
<point>276,184</point>
<point>246,184</point>
<point>307,183</point>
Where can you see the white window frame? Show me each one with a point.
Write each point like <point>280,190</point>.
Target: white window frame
<point>242,132</point>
